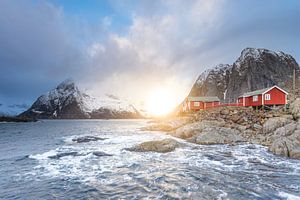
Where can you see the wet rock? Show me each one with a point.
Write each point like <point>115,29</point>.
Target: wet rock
<point>279,147</point>
<point>100,154</point>
<point>60,155</point>
<point>160,146</point>
<point>286,146</point>
<point>87,139</point>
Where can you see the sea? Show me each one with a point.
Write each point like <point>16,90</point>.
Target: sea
<point>88,159</point>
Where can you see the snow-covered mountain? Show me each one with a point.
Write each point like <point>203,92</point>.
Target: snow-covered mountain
<point>255,68</point>
<point>66,101</point>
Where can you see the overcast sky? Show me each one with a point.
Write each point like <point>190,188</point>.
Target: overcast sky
<point>127,47</point>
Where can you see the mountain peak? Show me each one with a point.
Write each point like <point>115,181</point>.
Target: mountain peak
<point>257,53</point>
<point>66,101</point>
<point>67,84</point>
<point>254,53</point>
<point>256,68</point>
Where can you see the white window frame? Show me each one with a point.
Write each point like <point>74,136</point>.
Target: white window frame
<point>196,104</point>
<point>267,97</point>
<point>255,98</point>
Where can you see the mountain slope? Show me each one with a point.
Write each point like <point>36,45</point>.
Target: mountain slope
<point>254,69</point>
<point>66,101</point>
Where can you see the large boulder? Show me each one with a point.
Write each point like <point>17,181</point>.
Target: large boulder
<point>218,135</point>
<point>160,146</point>
<point>286,147</point>
<point>286,130</point>
<point>295,108</point>
<point>274,123</point>
<point>193,129</point>
<point>209,132</point>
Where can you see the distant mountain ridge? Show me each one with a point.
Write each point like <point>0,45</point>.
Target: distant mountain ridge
<point>256,68</point>
<point>66,101</point>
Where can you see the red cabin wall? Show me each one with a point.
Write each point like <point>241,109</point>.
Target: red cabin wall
<point>195,108</point>
<point>208,105</point>
<point>277,97</point>
<point>240,101</point>
<point>249,101</point>
<point>211,104</point>
<point>203,105</point>
<point>216,103</point>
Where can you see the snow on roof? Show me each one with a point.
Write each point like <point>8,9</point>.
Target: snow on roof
<point>203,99</point>
<point>261,91</point>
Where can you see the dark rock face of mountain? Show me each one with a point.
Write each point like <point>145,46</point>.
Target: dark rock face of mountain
<point>66,101</point>
<point>254,69</point>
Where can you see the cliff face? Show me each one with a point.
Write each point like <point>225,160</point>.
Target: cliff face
<point>254,69</point>
<point>66,101</point>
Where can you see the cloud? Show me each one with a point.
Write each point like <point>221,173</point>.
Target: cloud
<point>156,47</point>
<point>35,48</point>
<point>166,43</point>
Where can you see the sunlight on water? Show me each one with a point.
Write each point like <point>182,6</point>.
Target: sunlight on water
<point>88,159</point>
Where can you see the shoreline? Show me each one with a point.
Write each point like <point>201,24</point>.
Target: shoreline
<point>278,130</point>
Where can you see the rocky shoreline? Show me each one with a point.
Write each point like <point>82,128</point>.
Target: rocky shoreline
<point>279,130</point>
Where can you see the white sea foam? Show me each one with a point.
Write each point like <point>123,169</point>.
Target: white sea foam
<point>157,170</point>
<point>43,156</point>
<point>289,196</point>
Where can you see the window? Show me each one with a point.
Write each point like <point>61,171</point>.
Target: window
<point>196,104</point>
<point>267,97</point>
<point>255,98</point>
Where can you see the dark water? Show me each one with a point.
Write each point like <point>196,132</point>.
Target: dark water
<point>83,159</point>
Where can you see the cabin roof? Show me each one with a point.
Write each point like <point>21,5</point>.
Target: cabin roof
<point>261,91</point>
<point>203,99</point>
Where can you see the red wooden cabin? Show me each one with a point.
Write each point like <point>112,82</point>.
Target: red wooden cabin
<point>271,96</point>
<point>199,103</point>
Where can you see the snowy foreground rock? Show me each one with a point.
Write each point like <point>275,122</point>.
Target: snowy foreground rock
<point>278,130</point>
<point>66,101</point>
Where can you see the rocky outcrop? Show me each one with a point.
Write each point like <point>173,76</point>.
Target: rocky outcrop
<point>285,147</point>
<point>274,123</point>
<point>254,69</point>
<point>66,101</point>
<point>295,108</point>
<point>209,132</point>
<point>277,130</point>
<point>283,137</point>
<point>85,139</point>
<point>219,135</point>
<point>160,146</point>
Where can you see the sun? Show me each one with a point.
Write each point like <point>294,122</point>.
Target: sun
<point>160,102</point>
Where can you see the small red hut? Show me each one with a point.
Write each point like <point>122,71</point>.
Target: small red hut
<point>271,96</point>
<point>200,103</point>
